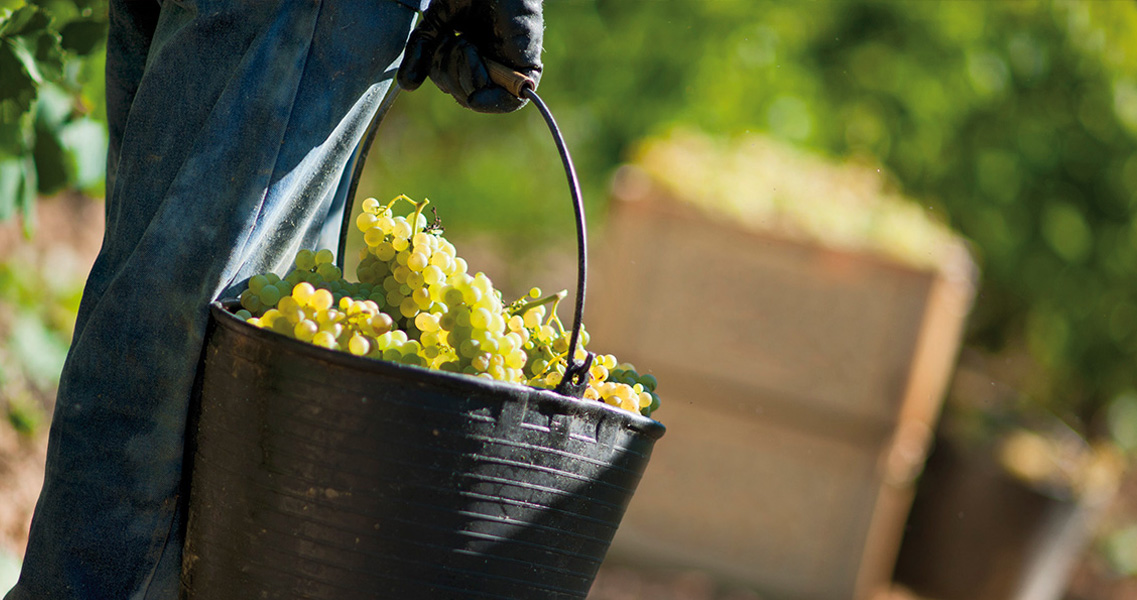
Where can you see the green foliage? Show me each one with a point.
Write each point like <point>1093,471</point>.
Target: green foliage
<point>1005,117</point>
<point>51,136</point>
<point>25,416</point>
<point>1014,121</point>
<point>1120,549</point>
<point>39,299</point>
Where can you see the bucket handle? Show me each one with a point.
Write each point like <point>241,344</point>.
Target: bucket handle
<point>576,375</point>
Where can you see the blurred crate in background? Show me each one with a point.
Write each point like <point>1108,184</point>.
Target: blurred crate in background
<point>800,386</point>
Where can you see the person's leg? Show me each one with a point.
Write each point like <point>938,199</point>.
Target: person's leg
<point>232,156</point>
<point>132,24</point>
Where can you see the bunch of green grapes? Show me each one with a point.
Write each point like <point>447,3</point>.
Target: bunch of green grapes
<point>416,303</point>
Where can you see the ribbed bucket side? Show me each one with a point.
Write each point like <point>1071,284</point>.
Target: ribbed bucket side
<point>325,476</point>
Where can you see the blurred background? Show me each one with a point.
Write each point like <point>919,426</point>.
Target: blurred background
<point>881,256</point>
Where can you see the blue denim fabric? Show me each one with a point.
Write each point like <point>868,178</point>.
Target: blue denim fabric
<point>232,125</point>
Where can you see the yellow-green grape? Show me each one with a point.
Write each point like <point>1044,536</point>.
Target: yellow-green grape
<point>321,300</point>
<point>382,323</point>
<point>305,259</point>
<point>418,261</point>
<point>269,295</point>
<point>256,283</point>
<point>282,325</point>
<point>534,317</point>
<point>290,308</point>
<point>402,229</point>
<point>358,345</point>
<point>250,301</point>
<point>424,241</point>
<point>408,308</point>
<point>305,330</point>
<point>374,238</point>
<point>328,272</point>
<point>366,221</point>
<point>385,224</point>
<point>427,322</point>
<point>303,292</point>
<point>370,205</point>
<point>325,339</point>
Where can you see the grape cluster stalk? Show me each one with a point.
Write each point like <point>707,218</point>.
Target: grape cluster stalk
<point>417,304</point>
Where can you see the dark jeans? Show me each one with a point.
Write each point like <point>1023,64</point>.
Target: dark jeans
<point>232,124</point>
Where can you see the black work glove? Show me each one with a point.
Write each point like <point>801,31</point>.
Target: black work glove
<point>454,37</point>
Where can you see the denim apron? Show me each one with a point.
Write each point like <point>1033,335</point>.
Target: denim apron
<point>232,127</point>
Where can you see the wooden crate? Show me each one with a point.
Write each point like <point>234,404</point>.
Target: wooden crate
<point>800,386</point>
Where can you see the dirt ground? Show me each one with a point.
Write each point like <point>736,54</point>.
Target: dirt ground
<point>21,474</point>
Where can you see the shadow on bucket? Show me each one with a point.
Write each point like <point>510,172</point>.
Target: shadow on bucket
<point>318,474</point>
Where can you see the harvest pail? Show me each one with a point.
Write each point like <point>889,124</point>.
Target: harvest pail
<point>317,474</point>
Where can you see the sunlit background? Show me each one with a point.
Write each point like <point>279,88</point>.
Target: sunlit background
<point>846,236</point>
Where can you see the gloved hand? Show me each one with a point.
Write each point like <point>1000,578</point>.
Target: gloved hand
<point>454,37</point>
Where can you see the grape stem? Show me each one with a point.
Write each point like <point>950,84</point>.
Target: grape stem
<point>554,299</point>
<point>554,360</point>
<point>418,205</point>
<point>418,211</point>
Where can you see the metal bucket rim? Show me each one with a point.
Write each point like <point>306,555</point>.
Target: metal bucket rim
<point>223,317</point>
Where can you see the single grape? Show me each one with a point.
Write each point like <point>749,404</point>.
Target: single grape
<point>365,221</point>
<point>325,339</point>
<point>402,229</point>
<point>303,292</point>
<point>358,345</point>
<point>370,205</point>
<point>305,259</point>
<point>305,330</point>
<point>373,237</point>
<point>269,295</point>
<point>321,299</point>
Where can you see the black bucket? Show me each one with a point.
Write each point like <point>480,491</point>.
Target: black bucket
<point>318,474</point>
<point>321,475</point>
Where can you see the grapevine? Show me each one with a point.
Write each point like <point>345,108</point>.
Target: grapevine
<point>416,303</point>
